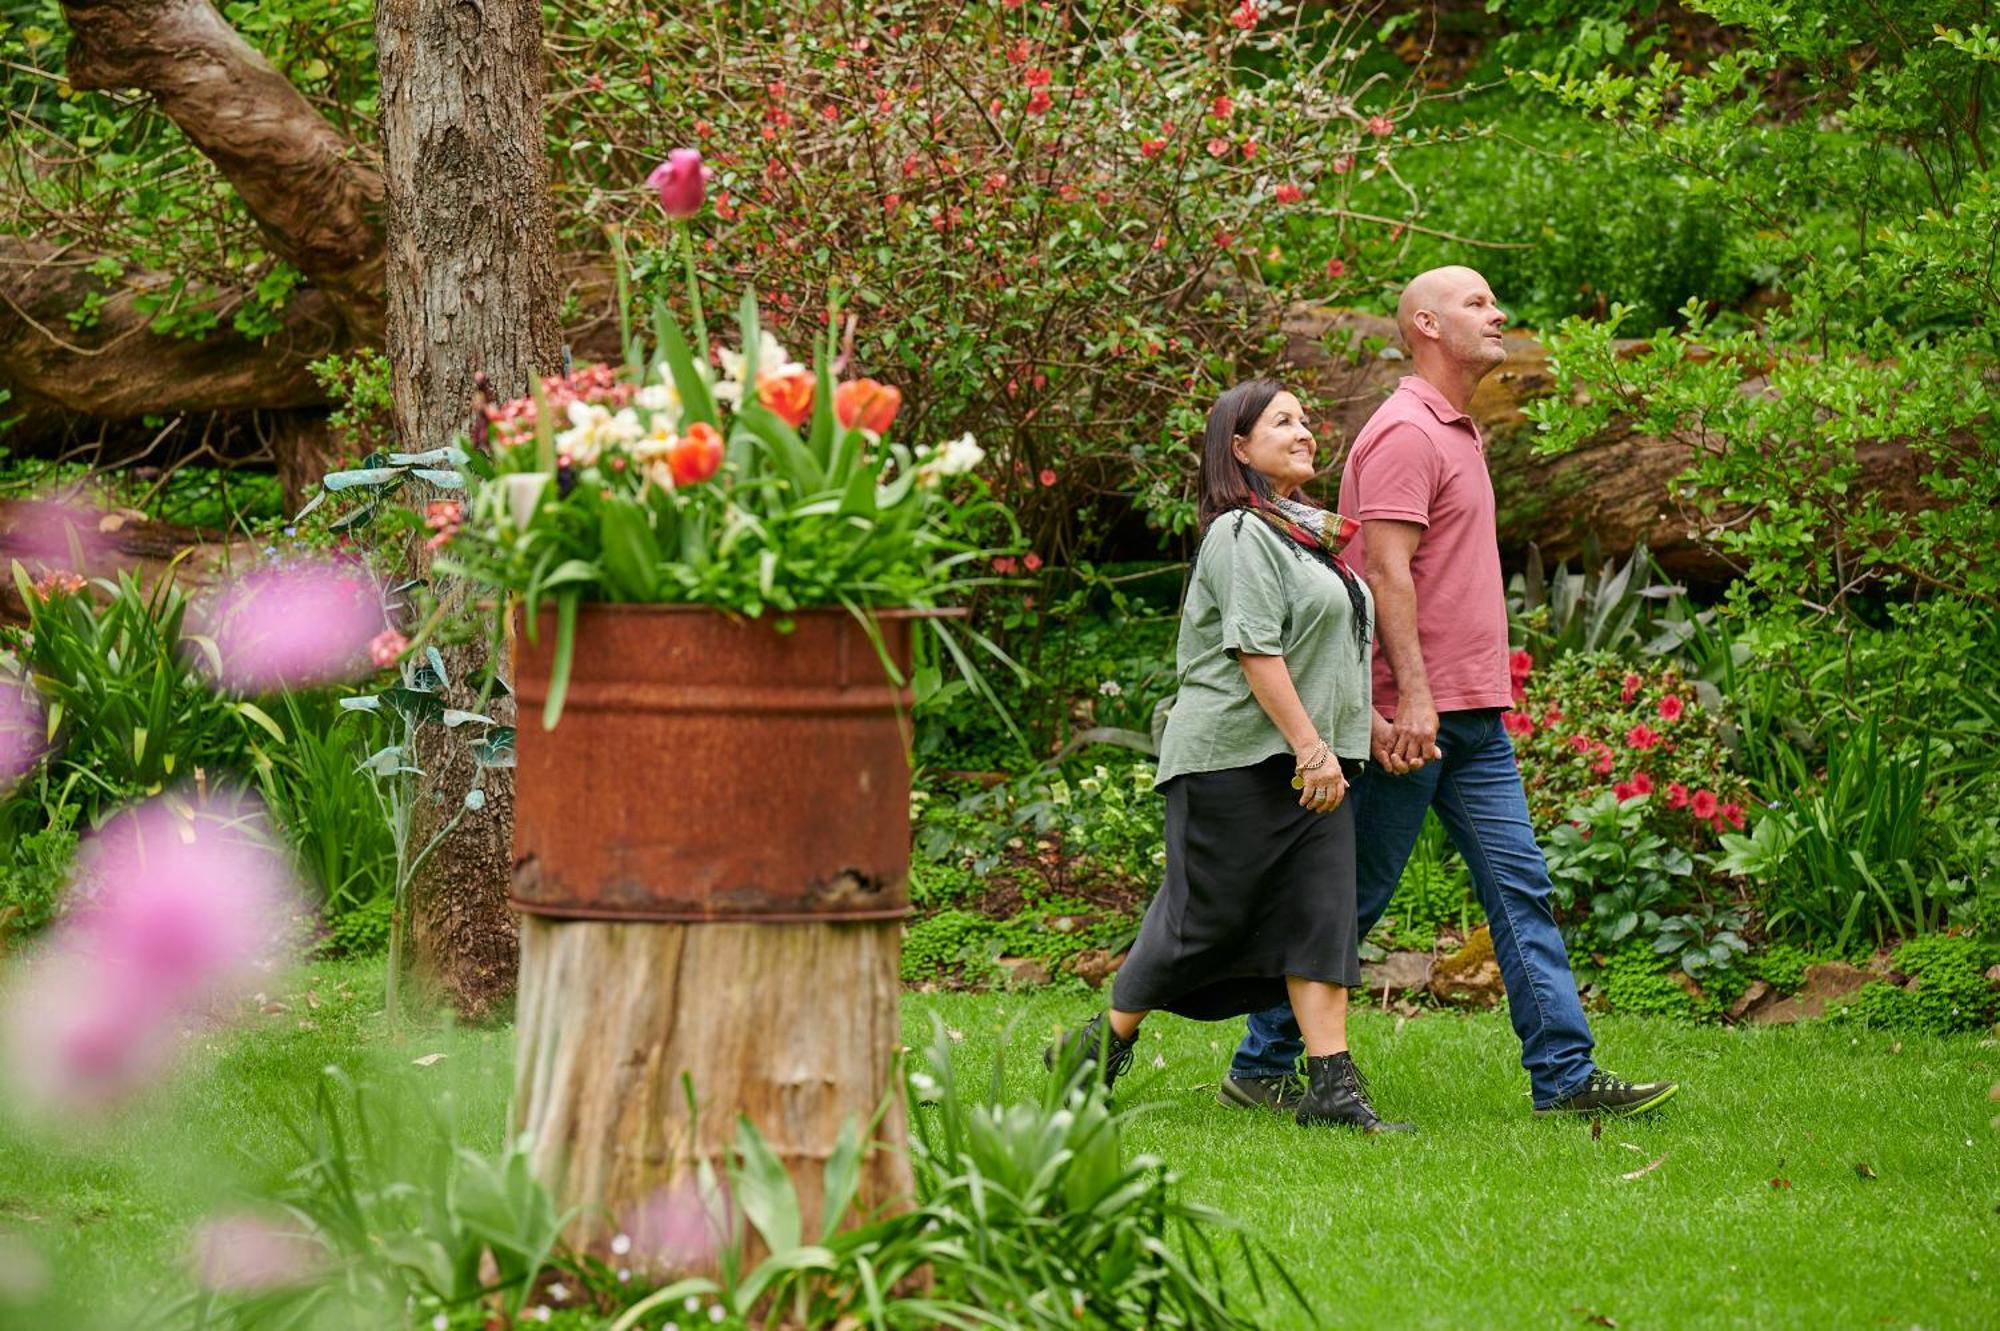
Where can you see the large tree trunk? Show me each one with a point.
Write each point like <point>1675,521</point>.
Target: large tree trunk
<point>470,291</point>
<point>794,1025</point>
<point>1612,494</point>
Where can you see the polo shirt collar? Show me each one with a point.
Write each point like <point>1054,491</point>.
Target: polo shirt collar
<point>1427,393</point>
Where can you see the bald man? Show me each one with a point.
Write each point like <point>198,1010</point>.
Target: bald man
<point>1416,480</point>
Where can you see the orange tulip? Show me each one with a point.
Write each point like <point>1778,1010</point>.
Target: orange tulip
<point>788,395</point>
<point>696,455</point>
<point>867,405</point>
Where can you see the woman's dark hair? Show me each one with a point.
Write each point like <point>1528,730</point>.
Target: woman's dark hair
<point>1228,483</point>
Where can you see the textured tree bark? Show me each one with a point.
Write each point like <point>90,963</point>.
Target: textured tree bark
<point>313,192</point>
<point>470,291</point>
<point>611,1016</point>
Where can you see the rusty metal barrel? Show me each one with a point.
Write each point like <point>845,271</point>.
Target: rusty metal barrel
<point>707,768</point>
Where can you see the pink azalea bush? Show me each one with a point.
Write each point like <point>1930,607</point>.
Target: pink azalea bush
<point>179,907</point>
<point>1052,223</point>
<point>1589,724</point>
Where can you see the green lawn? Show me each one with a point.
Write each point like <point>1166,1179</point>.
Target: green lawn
<point>1490,1218</point>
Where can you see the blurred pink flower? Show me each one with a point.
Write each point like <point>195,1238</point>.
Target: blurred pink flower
<point>22,731</point>
<point>243,1252</point>
<point>178,906</point>
<point>56,533</point>
<point>677,1228</point>
<point>293,626</point>
<point>682,182</point>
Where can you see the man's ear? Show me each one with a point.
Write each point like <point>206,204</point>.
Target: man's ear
<point>1425,322</point>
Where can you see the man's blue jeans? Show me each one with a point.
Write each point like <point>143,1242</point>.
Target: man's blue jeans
<point>1476,791</point>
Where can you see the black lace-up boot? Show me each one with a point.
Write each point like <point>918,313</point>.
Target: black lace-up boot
<point>1095,1044</point>
<point>1337,1094</point>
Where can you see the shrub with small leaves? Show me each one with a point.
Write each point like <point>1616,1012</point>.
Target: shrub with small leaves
<point>1948,992</point>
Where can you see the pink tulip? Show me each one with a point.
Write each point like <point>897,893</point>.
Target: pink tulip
<point>293,627</point>
<point>246,1253</point>
<point>178,906</point>
<point>682,182</point>
<point>22,732</point>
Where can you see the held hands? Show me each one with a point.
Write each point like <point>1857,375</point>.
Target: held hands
<point>1318,779</point>
<point>1407,744</point>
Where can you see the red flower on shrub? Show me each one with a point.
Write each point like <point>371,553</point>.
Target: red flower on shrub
<point>1033,562</point>
<point>1553,715</point>
<point>1037,77</point>
<point>1218,148</point>
<point>1520,665</point>
<point>1703,804</point>
<point>1249,149</point>
<point>1731,813</point>
<point>1336,268</point>
<point>1380,126</point>
<point>1039,102</point>
<point>1152,148</point>
<point>1222,107</point>
<point>1519,724</point>
<point>1642,783</point>
<point>1631,690</point>
<point>1245,15</point>
<point>1288,193</point>
<point>1048,476</point>
<point>1623,791</point>
<point>1343,164</point>
<point>1005,565</point>
<point>1642,736</point>
<point>789,396</point>
<point>1604,764</point>
<point>1677,795</point>
<point>1671,708</point>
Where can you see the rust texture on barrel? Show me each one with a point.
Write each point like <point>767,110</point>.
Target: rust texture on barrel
<point>714,769</point>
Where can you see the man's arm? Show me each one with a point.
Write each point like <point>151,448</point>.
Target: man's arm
<point>1413,735</point>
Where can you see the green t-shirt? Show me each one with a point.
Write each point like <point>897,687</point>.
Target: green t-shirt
<point>1254,591</point>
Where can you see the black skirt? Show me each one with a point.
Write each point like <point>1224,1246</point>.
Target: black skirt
<point>1257,888</point>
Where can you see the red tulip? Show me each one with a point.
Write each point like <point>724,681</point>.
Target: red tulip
<point>789,395</point>
<point>867,405</point>
<point>696,455</point>
<point>682,182</point>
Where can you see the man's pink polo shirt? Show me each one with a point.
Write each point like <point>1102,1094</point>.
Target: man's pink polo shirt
<point>1419,459</point>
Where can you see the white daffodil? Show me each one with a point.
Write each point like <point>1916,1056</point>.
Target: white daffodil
<point>523,490</point>
<point>771,359</point>
<point>952,458</point>
<point>659,397</point>
<point>584,440</point>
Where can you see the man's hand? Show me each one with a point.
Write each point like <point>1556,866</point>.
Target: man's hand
<point>1412,739</point>
<point>1382,746</point>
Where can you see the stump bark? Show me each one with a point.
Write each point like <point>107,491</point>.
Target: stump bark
<point>791,1024</point>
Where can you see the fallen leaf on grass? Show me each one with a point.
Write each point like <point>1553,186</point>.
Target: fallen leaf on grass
<point>1594,1317</point>
<point>1781,1183</point>
<point>1644,1170</point>
<point>1631,1147</point>
<point>1596,1128</point>
<point>1863,1168</point>
<point>426,1060</point>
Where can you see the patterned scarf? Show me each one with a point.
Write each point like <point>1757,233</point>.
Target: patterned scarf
<point>1320,530</point>
<point>1321,533</point>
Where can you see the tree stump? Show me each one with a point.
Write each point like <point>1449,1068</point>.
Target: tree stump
<point>792,1024</point>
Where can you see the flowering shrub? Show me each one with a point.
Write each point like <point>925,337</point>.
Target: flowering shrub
<point>1035,211</point>
<point>1589,724</point>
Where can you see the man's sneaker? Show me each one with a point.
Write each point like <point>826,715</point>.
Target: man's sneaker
<point>1337,1094</point>
<point>1606,1094</point>
<point>1282,1093</point>
<point>1096,1044</point>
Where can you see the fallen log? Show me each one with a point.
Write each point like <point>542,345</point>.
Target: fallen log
<point>126,540</point>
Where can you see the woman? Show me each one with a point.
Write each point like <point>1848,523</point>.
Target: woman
<point>1271,723</point>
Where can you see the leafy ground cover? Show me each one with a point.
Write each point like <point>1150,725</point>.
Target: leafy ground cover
<point>1809,1176</point>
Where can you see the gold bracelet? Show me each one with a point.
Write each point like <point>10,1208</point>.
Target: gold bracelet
<point>1320,755</point>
